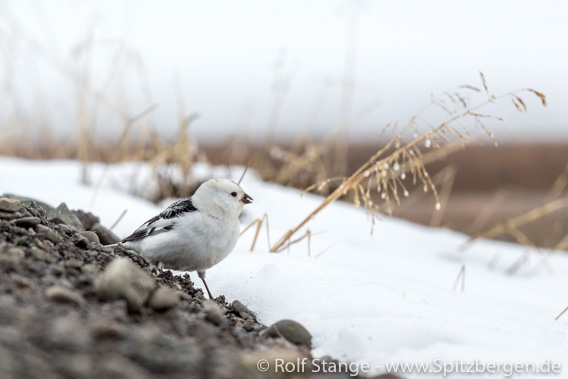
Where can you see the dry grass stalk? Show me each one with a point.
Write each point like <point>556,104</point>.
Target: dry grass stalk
<point>258,222</point>
<point>483,217</point>
<point>383,169</point>
<point>559,185</point>
<point>561,313</point>
<point>460,279</point>
<point>512,226</point>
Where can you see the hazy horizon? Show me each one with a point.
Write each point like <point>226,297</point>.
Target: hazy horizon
<point>231,62</point>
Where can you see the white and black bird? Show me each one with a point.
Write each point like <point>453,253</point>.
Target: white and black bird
<point>195,233</point>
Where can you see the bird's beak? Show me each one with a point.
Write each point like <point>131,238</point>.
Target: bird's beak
<point>247,199</point>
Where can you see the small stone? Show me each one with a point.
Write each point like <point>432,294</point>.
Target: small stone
<point>41,244</point>
<point>65,228</point>
<point>86,218</point>
<point>41,255</point>
<point>16,251</point>
<point>9,261</point>
<point>56,270</point>
<point>80,241</point>
<point>26,222</point>
<point>214,312</point>
<point>242,310</point>
<point>90,268</point>
<point>73,263</point>
<point>21,281</point>
<point>163,299</point>
<point>28,200</point>
<point>291,331</point>
<point>48,233</point>
<point>9,205</point>
<point>91,236</point>
<point>122,279</point>
<point>106,236</point>
<point>107,330</point>
<point>61,294</point>
<point>10,216</point>
<point>62,215</point>
<point>114,365</point>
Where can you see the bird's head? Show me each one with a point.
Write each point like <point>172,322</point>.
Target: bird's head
<point>221,197</point>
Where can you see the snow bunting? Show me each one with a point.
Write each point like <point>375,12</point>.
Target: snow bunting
<point>195,233</point>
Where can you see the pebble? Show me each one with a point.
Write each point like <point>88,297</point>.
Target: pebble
<point>242,310</point>
<point>26,222</point>
<point>91,236</point>
<point>48,233</point>
<point>214,312</point>
<point>21,281</point>
<point>61,294</point>
<point>106,236</point>
<point>16,251</point>
<point>10,216</point>
<point>73,263</point>
<point>163,299</point>
<point>9,205</point>
<point>122,279</point>
<point>80,241</point>
<point>86,218</point>
<point>27,200</point>
<point>62,215</point>
<point>41,255</point>
<point>9,261</point>
<point>107,330</point>
<point>90,268</point>
<point>291,331</point>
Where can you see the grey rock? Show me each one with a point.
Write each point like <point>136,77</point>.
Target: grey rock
<point>73,263</point>
<point>26,222</point>
<point>80,241</point>
<point>48,233</point>
<point>62,215</point>
<point>10,205</point>
<point>91,236</point>
<point>214,312</point>
<point>122,279</point>
<point>10,215</point>
<point>107,330</point>
<point>62,294</point>
<point>242,310</point>
<point>118,366</point>
<point>41,255</point>
<point>290,330</point>
<point>9,261</point>
<point>86,218</point>
<point>27,200</point>
<point>163,299</point>
<point>90,268</point>
<point>106,236</point>
<point>17,251</point>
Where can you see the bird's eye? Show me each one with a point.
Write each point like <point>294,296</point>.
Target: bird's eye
<point>234,194</point>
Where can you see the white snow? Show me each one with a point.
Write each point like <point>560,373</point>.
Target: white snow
<point>386,297</point>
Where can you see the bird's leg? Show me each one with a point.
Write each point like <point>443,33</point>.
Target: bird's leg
<point>201,275</point>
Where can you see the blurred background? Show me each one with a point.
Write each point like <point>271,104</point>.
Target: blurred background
<point>306,87</point>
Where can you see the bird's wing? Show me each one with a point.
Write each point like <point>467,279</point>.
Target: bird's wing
<point>162,222</point>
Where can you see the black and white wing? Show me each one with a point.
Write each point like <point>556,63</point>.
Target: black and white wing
<point>162,222</point>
